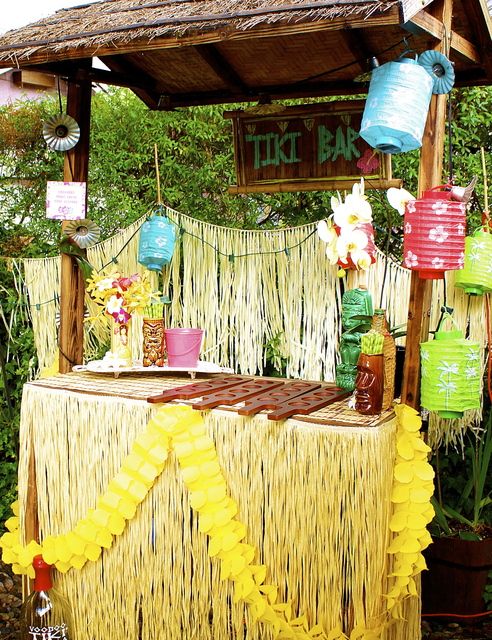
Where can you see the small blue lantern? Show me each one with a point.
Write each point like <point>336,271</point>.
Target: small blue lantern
<point>156,242</point>
<point>398,100</point>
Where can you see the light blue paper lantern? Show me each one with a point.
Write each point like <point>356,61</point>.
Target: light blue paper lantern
<point>398,101</point>
<point>156,242</point>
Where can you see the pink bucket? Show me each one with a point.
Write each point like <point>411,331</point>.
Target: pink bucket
<point>183,346</point>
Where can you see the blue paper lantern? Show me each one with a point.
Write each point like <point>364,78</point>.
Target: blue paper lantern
<point>156,242</point>
<point>398,100</point>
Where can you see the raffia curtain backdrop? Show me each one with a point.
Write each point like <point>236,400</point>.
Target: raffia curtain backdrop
<point>244,290</point>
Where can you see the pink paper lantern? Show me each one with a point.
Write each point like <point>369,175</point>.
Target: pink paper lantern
<point>434,234</point>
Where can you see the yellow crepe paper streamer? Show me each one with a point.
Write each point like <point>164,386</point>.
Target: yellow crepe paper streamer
<point>182,429</point>
<point>412,489</point>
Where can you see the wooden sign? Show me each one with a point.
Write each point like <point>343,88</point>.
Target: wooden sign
<point>305,148</point>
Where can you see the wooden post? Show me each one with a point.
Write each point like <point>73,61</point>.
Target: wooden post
<point>430,175</point>
<point>72,285</point>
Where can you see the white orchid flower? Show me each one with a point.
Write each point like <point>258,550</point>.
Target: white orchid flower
<point>114,304</point>
<point>354,211</point>
<point>327,233</point>
<point>351,241</point>
<point>399,198</point>
<point>336,201</point>
<point>361,259</point>
<point>105,284</point>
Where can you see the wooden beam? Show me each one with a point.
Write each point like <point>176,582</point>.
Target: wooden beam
<point>275,92</point>
<point>424,22</point>
<point>356,42</point>
<point>37,79</point>
<point>125,70</point>
<point>209,53</point>
<point>72,285</point>
<point>430,175</point>
<point>312,185</point>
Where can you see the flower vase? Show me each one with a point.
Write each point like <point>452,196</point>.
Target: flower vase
<point>120,354</point>
<point>369,384</point>
<point>153,342</point>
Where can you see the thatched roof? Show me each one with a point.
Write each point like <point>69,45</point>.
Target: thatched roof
<point>117,23</point>
<point>178,52</point>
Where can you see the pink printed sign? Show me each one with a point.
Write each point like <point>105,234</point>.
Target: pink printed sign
<point>66,200</point>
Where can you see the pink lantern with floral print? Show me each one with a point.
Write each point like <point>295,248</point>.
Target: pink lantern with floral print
<point>434,234</point>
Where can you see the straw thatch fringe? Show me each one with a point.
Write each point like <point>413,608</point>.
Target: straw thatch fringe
<point>327,553</point>
<point>242,287</point>
<point>119,22</point>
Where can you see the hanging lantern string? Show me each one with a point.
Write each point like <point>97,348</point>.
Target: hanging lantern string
<point>489,342</point>
<point>114,260</point>
<point>157,175</point>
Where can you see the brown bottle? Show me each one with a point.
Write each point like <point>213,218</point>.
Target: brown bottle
<point>380,325</point>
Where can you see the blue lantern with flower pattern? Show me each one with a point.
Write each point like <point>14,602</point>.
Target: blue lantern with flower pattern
<point>398,100</point>
<point>156,242</point>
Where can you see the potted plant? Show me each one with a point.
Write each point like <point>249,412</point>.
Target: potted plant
<point>460,558</point>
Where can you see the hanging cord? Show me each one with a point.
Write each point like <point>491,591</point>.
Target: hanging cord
<point>59,95</point>
<point>445,310</point>
<point>450,141</point>
<point>157,176</point>
<point>60,106</point>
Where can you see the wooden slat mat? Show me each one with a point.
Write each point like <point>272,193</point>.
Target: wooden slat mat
<point>140,387</point>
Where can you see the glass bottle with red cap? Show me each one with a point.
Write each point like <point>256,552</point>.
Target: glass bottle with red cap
<point>46,614</point>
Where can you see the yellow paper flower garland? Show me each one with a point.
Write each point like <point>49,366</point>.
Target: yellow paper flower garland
<point>183,429</point>
<point>413,487</point>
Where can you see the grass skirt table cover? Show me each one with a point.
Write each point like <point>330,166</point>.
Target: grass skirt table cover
<point>315,498</point>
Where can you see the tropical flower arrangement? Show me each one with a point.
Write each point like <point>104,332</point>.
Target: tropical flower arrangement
<point>119,295</point>
<point>348,232</point>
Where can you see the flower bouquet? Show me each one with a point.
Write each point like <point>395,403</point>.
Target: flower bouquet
<point>348,232</point>
<point>120,297</point>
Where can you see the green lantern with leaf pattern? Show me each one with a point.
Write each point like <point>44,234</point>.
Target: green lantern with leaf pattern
<point>476,276</point>
<point>451,373</point>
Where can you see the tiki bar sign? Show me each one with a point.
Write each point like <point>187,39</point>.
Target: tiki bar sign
<point>304,148</point>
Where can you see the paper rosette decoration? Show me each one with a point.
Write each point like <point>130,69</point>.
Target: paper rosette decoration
<point>84,233</point>
<point>434,234</point>
<point>440,68</point>
<point>451,373</point>
<point>61,132</point>
<point>476,276</point>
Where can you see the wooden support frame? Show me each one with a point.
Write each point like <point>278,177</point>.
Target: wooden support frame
<point>72,285</point>
<point>430,175</point>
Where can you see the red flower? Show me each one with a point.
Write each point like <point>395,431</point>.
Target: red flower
<point>369,161</point>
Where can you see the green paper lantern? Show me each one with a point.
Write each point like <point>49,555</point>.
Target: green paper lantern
<point>451,377</point>
<point>476,276</point>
